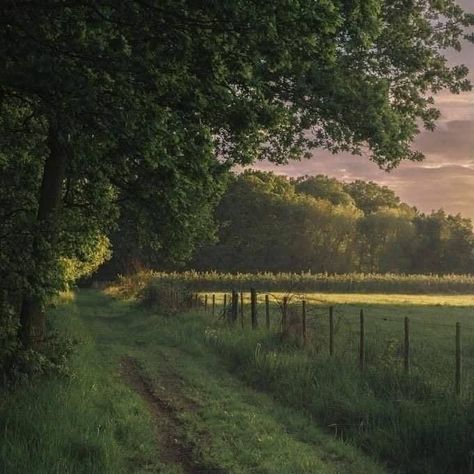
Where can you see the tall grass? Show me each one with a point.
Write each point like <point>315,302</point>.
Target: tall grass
<point>396,418</point>
<point>89,423</point>
<point>412,421</point>
<point>307,282</point>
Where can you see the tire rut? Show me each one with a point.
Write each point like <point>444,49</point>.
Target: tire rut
<point>167,426</point>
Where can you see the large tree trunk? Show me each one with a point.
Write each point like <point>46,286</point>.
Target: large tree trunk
<point>32,317</point>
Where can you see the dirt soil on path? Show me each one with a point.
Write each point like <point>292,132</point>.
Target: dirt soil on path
<point>173,450</point>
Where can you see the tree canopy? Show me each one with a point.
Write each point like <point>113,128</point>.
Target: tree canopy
<point>144,106</point>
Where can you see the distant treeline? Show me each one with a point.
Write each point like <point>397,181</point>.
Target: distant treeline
<point>268,222</point>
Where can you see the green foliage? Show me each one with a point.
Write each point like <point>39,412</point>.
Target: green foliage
<point>93,253</point>
<point>370,197</point>
<point>141,108</point>
<point>322,187</point>
<point>386,239</point>
<point>443,242</point>
<point>266,224</point>
<point>20,365</point>
<point>318,224</point>
<point>25,365</point>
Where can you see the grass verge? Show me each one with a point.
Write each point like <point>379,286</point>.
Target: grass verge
<point>95,423</point>
<point>90,423</point>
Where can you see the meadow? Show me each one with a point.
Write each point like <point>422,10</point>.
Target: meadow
<point>413,421</point>
<point>242,399</point>
<point>432,330</point>
<point>95,422</point>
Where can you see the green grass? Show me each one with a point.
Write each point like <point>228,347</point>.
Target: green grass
<point>90,423</point>
<point>432,318</point>
<point>248,401</point>
<point>94,423</point>
<point>414,421</point>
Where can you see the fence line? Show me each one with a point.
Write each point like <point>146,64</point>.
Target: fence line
<point>313,318</point>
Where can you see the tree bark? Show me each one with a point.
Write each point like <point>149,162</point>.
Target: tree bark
<point>32,316</point>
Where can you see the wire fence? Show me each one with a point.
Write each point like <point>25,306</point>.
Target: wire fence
<point>440,353</point>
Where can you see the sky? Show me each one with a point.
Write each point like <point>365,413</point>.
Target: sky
<point>445,179</point>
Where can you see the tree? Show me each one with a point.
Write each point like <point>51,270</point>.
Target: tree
<point>370,196</point>
<point>443,244</point>
<point>322,187</point>
<point>266,225</point>
<point>385,241</point>
<point>324,237</point>
<point>149,102</point>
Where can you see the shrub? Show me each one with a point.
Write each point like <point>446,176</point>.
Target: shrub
<point>165,297</point>
<point>19,365</point>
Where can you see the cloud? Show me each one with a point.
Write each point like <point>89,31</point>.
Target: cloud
<point>452,141</point>
<point>444,180</point>
<point>448,187</point>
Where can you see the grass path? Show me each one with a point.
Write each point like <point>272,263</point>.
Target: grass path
<point>172,450</point>
<point>148,396</point>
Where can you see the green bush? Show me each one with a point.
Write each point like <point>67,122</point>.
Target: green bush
<point>166,297</point>
<point>19,365</point>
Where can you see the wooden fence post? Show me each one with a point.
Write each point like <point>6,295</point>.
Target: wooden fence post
<point>225,304</point>
<point>253,307</point>
<point>303,321</point>
<point>331,331</point>
<point>235,305</point>
<point>284,315</point>
<point>213,305</point>
<point>267,312</point>
<point>458,378</point>
<point>242,308</point>
<point>362,341</point>
<point>406,351</point>
<point>205,303</point>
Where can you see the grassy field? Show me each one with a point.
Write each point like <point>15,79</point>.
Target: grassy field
<point>150,394</point>
<point>432,318</point>
<point>189,392</point>
<point>413,421</point>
